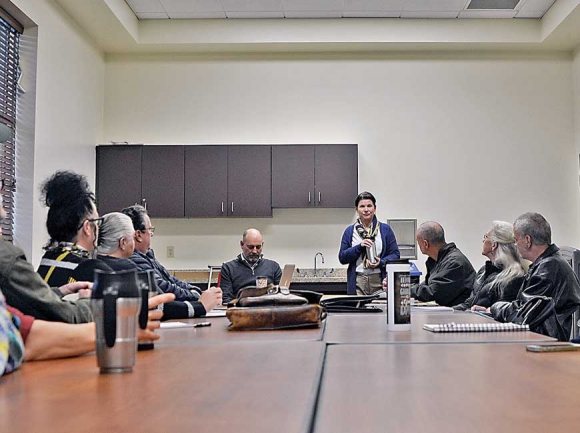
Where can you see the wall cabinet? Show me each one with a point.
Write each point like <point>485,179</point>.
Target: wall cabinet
<point>118,177</point>
<point>148,175</point>
<point>225,181</point>
<point>162,179</point>
<point>228,181</point>
<point>314,176</point>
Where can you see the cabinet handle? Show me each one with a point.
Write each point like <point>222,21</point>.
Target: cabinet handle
<point>232,207</point>
<point>308,196</point>
<point>319,196</point>
<point>144,201</point>
<point>222,207</point>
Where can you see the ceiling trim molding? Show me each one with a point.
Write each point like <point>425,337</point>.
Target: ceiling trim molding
<point>317,35</point>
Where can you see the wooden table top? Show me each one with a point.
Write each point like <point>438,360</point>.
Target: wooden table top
<point>252,387</point>
<point>218,333</point>
<point>372,328</point>
<point>448,388</point>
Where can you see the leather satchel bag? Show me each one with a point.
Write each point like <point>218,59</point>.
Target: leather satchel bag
<point>273,307</point>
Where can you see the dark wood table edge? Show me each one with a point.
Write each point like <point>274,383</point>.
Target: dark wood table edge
<point>314,395</point>
<point>336,343</point>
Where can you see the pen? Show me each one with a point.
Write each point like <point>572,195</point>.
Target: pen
<point>200,324</point>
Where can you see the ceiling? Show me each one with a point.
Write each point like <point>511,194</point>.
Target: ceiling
<point>116,29</point>
<point>197,9</point>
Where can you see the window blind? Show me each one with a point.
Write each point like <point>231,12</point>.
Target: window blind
<point>9,74</point>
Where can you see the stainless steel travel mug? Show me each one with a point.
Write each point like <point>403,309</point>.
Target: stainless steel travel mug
<point>371,254</point>
<point>115,303</point>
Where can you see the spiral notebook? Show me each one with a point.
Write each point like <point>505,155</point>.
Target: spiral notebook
<point>475,327</point>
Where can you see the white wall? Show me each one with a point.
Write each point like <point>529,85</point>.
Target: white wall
<point>69,104</point>
<point>576,90</point>
<point>458,138</point>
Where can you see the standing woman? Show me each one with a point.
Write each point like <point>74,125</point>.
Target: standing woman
<point>367,235</point>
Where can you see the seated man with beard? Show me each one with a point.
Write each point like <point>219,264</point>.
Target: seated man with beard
<point>243,270</point>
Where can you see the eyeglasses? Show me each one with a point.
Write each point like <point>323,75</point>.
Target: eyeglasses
<point>96,221</point>
<point>150,229</point>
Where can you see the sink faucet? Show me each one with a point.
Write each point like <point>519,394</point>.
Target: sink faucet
<point>315,256</point>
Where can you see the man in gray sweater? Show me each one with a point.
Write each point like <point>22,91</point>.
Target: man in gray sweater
<point>243,270</point>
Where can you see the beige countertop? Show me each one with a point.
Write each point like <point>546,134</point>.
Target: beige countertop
<point>301,275</point>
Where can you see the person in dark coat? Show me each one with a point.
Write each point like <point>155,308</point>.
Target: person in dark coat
<point>500,278</point>
<point>549,275</point>
<point>450,275</point>
<point>145,259</point>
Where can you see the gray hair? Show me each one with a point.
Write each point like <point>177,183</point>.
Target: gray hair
<point>535,226</point>
<point>433,232</point>
<point>115,227</point>
<point>507,257</point>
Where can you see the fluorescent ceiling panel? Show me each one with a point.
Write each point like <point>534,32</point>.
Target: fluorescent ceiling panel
<point>493,4</point>
<point>488,14</point>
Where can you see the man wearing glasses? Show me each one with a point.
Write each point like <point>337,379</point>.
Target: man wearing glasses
<point>73,226</point>
<point>144,258</point>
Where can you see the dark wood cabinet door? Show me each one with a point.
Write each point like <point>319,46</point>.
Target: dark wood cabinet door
<point>206,184</point>
<point>336,175</point>
<point>292,176</point>
<point>249,181</point>
<point>162,181</point>
<point>118,177</point>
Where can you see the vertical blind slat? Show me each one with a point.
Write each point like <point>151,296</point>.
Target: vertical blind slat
<point>9,72</point>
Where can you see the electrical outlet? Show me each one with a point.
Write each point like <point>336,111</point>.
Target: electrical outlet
<point>170,252</point>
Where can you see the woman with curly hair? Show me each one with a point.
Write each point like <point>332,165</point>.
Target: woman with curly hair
<point>73,226</point>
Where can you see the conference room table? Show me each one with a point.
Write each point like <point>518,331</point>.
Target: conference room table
<point>244,387</point>
<point>448,388</point>
<point>341,377</point>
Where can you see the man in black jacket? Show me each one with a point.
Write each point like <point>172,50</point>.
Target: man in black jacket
<point>549,275</point>
<point>144,257</point>
<point>450,275</point>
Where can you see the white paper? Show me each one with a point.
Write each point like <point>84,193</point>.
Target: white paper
<point>216,313</point>
<point>171,325</point>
